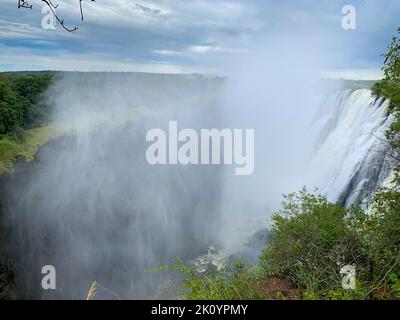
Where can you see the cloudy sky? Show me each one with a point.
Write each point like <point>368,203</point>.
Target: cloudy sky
<point>185,36</point>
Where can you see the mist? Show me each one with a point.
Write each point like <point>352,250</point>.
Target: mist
<point>273,89</point>
<point>92,206</point>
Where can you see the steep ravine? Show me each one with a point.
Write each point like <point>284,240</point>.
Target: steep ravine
<point>91,205</point>
<point>107,222</point>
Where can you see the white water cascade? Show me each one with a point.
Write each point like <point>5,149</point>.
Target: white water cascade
<point>348,163</point>
<point>349,149</point>
<point>334,144</point>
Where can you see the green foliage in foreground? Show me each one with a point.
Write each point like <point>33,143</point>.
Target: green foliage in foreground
<point>312,240</point>
<point>236,282</point>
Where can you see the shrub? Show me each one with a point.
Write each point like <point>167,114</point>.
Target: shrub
<point>312,240</point>
<point>235,282</point>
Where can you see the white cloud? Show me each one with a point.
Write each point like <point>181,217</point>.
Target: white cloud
<point>208,49</point>
<point>16,59</point>
<point>195,32</point>
<point>168,52</point>
<point>12,30</point>
<point>354,74</point>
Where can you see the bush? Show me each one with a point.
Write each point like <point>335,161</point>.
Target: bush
<point>389,86</point>
<point>313,239</point>
<point>235,282</point>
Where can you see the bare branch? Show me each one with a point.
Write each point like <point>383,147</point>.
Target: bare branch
<point>61,22</point>
<point>80,6</point>
<point>52,7</point>
<point>24,4</point>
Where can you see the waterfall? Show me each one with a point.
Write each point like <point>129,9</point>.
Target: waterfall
<point>349,151</point>
<point>91,206</point>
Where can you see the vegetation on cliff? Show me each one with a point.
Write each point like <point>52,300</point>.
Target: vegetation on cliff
<point>22,105</point>
<point>24,115</point>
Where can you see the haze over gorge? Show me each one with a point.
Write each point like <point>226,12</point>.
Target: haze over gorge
<point>92,206</point>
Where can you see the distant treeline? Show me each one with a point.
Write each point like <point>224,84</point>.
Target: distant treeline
<point>21,101</point>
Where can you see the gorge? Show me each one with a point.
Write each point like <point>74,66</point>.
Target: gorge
<point>91,205</point>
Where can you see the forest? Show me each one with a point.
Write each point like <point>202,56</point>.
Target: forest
<point>22,105</point>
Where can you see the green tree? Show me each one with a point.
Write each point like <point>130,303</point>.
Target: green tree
<point>389,86</point>
<point>10,108</point>
<point>312,239</point>
<point>21,103</point>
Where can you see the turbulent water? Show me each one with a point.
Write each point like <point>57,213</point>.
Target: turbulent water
<point>350,160</point>
<point>91,206</point>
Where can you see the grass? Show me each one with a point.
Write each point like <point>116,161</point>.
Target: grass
<point>26,148</point>
<point>11,150</point>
